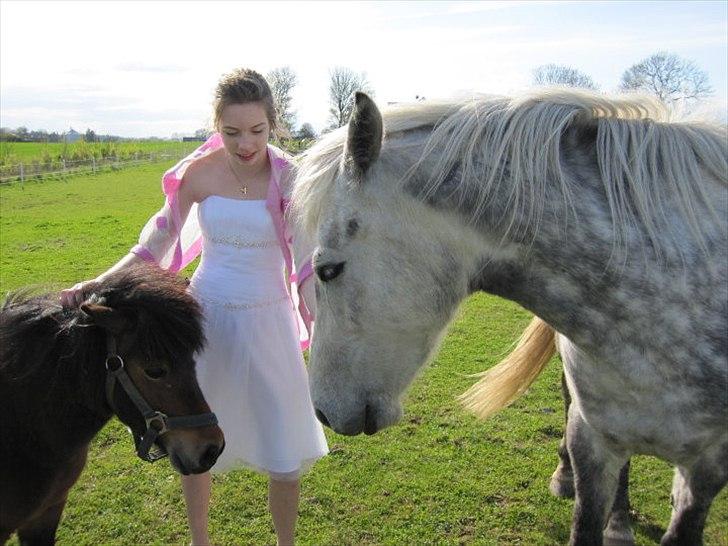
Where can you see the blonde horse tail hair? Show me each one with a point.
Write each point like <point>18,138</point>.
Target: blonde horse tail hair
<point>511,377</point>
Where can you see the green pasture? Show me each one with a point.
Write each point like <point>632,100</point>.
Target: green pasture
<point>438,477</point>
<point>52,153</point>
<point>12,153</point>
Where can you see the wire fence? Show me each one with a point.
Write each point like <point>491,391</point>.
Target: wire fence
<point>38,170</point>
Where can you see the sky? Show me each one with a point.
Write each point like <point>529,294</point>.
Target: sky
<point>147,68</point>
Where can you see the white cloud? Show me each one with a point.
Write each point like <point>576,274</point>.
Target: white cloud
<point>160,61</point>
<point>480,7</point>
<point>144,67</point>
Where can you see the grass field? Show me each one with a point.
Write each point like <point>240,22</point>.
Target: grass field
<point>12,153</point>
<point>439,477</point>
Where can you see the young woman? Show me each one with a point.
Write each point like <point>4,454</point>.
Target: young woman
<point>226,200</point>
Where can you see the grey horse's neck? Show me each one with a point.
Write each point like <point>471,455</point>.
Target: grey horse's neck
<point>574,272</point>
<point>587,267</point>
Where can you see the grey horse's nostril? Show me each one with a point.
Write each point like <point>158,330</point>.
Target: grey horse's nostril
<point>321,417</point>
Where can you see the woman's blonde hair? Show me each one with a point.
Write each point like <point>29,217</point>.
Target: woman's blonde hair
<point>241,86</point>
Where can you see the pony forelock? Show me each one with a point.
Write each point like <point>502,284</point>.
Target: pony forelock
<point>164,316</point>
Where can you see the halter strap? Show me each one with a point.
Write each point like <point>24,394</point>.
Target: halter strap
<point>157,423</point>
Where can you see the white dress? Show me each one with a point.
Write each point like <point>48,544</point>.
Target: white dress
<point>251,371</point>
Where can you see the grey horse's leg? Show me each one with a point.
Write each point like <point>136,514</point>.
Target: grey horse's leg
<point>618,531</point>
<point>596,475</point>
<point>562,480</point>
<point>693,491</point>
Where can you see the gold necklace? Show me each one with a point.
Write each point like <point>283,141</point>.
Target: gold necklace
<point>243,186</point>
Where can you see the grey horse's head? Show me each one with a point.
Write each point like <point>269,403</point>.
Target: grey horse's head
<point>389,274</point>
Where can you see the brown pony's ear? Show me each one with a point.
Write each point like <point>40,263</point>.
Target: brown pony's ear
<point>366,131</point>
<point>106,317</point>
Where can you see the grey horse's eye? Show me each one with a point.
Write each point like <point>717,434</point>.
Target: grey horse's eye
<point>327,272</point>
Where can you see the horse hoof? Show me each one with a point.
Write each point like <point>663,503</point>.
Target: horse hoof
<point>562,484</point>
<point>618,537</point>
<point>617,541</point>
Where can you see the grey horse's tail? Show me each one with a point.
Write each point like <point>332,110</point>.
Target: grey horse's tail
<point>511,377</point>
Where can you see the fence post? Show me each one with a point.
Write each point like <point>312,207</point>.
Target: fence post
<point>68,169</point>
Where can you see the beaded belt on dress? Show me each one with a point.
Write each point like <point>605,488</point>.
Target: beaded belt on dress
<point>232,305</point>
<point>241,243</point>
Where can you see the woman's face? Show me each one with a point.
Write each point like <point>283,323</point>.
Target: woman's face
<point>245,130</point>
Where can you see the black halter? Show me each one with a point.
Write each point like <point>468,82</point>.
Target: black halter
<point>157,422</point>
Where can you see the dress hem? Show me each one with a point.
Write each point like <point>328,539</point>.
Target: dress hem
<point>289,475</point>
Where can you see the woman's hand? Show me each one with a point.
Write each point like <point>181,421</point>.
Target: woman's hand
<point>77,294</point>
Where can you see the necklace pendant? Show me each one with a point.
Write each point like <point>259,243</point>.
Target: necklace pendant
<point>244,190</point>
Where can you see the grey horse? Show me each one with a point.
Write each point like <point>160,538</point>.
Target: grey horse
<point>599,215</point>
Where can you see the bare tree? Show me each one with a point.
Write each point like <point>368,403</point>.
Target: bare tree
<point>343,84</point>
<point>306,132</point>
<point>203,133</point>
<point>669,77</point>
<point>282,81</point>
<point>557,74</point>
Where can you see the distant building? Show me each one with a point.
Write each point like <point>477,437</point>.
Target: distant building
<point>194,139</point>
<point>72,136</point>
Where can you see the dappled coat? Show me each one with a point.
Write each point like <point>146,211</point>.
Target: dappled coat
<point>172,244</point>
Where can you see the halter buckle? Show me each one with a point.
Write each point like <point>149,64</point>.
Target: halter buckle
<point>157,421</point>
<point>111,359</point>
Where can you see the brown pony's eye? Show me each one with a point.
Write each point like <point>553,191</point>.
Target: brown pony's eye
<point>155,373</point>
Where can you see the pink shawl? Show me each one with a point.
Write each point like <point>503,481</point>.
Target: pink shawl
<point>171,244</point>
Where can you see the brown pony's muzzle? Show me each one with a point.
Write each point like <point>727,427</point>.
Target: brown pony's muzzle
<point>193,451</point>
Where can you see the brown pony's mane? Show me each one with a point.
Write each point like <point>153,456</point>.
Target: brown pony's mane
<point>37,334</point>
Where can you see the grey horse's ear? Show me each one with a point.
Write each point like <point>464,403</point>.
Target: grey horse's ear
<point>365,134</point>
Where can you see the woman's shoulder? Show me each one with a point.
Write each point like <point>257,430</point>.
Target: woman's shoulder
<point>201,172</point>
<point>282,162</point>
<point>208,165</point>
<point>281,157</point>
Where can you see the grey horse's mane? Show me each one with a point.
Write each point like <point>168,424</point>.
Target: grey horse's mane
<point>318,166</point>
<point>644,157</point>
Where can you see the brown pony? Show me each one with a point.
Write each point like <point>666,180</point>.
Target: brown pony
<point>65,373</point>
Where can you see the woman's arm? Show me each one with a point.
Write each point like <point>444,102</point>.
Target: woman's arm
<point>79,292</point>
